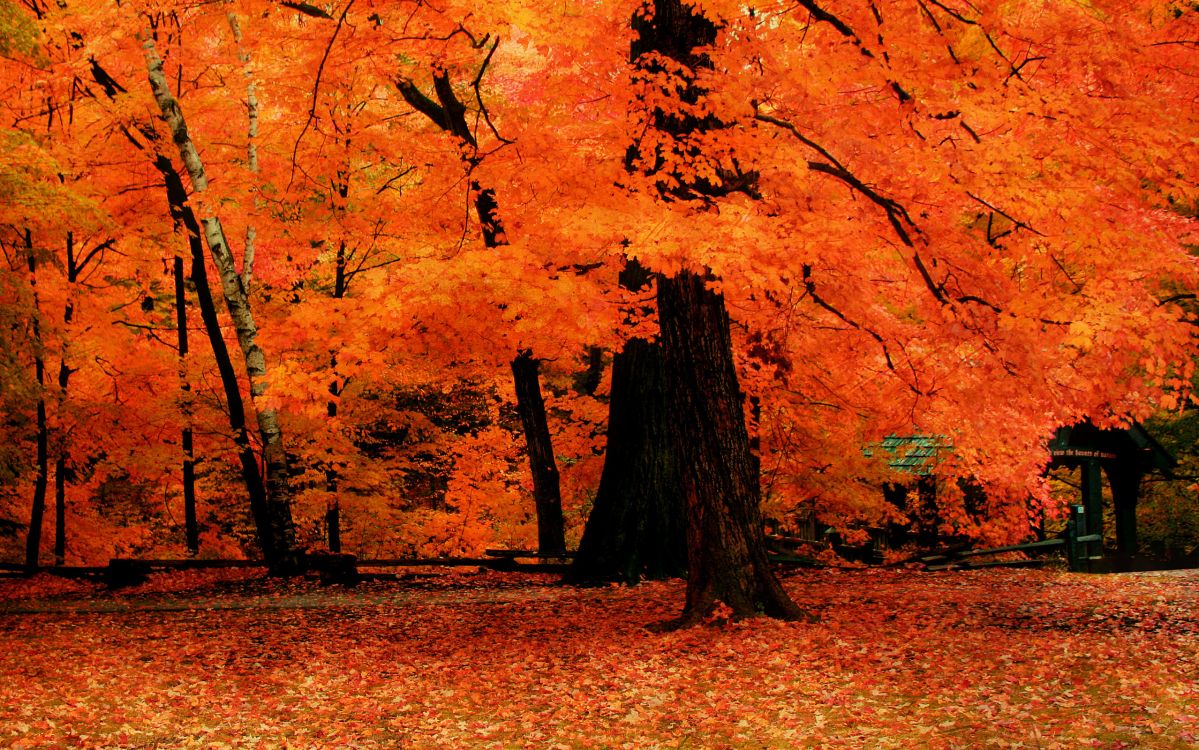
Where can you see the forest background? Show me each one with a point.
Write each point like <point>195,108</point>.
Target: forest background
<point>969,221</point>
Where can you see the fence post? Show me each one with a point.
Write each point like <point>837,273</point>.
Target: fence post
<point>1092,493</point>
<point>1076,526</point>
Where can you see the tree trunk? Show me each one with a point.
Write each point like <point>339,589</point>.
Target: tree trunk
<point>60,507</point>
<point>1125,481</point>
<point>637,526</point>
<point>726,543</point>
<point>285,555</point>
<point>64,380</point>
<point>333,526</point>
<point>33,541</point>
<point>191,526</point>
<point>332,478</point>
<point>551,538</point>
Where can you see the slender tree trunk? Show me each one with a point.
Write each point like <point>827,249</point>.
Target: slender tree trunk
<point>182,213</point>
<point>247,69</point>
<point>341,286</point>
<point>33,541</point>
<point>60,508</point>
<point>1125,482</point>
<point>546,495</point>
<point>720,476</point>
<point>725,539</point>
<point>64,380</point>
<point>191,526</point>
<point>286,556</point>
<point>637,525</point>
<point>332,478</point>
<point>449,114</point>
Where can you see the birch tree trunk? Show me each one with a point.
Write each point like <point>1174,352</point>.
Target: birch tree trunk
<point>286,557</point>
<point>191,525</point>
<point>64,381</point>
<point>181,212</point>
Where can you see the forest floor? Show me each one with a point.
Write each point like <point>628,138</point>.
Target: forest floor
<point>899,659</point>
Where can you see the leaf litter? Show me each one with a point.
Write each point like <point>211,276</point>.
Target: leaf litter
<point>899,659</point>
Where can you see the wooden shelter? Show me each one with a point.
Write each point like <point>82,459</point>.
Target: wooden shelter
<point>1125,455</point>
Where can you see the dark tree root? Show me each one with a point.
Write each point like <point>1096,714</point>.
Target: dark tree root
<point>779,608</point>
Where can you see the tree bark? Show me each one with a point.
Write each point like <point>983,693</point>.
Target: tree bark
<point>286,556</point>
<point>551,539</point>
<point>64,380</point>
<point>1125,481</point>
<point>720,477</point>
<point>725,539</point>
<point>637,526</point>
<point>332,478</point>
<point>247,70</point>
<point>37,510</point>
<point>191,526</point>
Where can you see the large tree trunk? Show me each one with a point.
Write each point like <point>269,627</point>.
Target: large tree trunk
<point>286,556</point>
<point>37,510</point>
<point>637,526</point>
<point>551,538</point>
<point>720,477</point>
<point>725,540</point>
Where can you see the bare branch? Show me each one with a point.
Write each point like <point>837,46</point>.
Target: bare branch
<point>1176,298</point>
<point>421,103</point>
<point>479,94</point>
<point>316,87</point>
<point>897,215</point>
<point>1004,214</point>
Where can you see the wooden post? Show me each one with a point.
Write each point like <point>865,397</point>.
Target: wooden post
<point>1076,526</point>
<point>1125,482</point>
<point>1092,498</point>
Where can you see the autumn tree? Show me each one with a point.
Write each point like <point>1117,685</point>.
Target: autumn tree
<point>449,113</point>
<point>724,101</point>
<point>726,550</point>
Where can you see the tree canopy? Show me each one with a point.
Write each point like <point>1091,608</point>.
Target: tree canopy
<point>965,219</point>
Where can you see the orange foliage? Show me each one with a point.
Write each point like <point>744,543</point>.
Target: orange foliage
<point>961,226</point>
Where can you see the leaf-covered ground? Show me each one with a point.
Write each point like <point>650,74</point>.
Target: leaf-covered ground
<point>899,659</point>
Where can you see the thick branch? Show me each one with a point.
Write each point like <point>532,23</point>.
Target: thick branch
<point>306,9</point>
<point>421,103</point>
